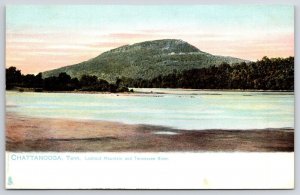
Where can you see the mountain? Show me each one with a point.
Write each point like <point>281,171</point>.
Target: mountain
<point>144,60</point>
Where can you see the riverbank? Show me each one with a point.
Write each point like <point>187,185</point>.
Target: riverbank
<point>34,90</point>
<point>62,135</point>
<point>148,91</point>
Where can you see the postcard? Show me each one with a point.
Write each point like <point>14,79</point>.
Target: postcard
<point>149,97</point>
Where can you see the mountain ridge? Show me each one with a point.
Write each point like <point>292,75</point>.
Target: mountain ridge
<point>145,60</point>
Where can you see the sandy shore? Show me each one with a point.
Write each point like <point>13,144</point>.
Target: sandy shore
<point>42,134</point>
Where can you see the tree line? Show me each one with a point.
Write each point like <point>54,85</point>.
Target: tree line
<point>265,74</point>
<point>63,82</point>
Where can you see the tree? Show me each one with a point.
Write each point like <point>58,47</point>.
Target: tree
<point>13,77</point>
<point>87,80</point>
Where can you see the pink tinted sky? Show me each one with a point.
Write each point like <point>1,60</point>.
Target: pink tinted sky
<point>41,38</point>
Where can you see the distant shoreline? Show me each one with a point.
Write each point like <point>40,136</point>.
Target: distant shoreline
<point>61,135</point>
<point>230,90</point>
<point>81,92</point>
<point>149,92</point>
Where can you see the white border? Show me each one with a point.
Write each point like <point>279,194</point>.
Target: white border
<point>2,77</point>
<point>202,170</point>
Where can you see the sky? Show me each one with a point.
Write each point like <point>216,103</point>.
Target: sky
<point>40,38</point>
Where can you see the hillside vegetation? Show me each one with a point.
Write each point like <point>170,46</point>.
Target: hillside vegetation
<point>265,74</point>
<point>145,60</point>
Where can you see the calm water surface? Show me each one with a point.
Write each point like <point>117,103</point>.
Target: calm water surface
<point>181,109</point>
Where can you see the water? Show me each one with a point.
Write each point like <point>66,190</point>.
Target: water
<point>181,109</point>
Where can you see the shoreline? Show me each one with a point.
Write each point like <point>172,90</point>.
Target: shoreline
<point>150,92</point>
<point>69,135</point>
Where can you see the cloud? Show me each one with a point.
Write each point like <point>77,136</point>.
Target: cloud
<point>107,44</point>
<point>129,35</point>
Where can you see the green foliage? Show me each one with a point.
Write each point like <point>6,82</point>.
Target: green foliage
<point>13,77</point>
<point>62,82</point>
<point>266,74</point>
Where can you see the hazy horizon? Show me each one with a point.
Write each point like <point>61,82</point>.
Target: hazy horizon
<point>40,38</point>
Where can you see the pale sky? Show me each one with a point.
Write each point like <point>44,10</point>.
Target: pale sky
<point>40,38</point>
